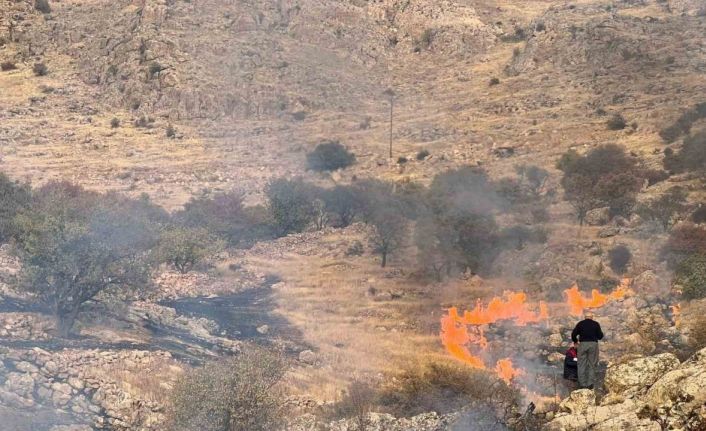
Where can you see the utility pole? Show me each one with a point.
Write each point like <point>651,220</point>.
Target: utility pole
<point>391,94</point>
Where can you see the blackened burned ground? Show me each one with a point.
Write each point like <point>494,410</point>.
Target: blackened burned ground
<point>238,316</point>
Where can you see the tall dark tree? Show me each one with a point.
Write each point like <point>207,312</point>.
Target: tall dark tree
<point>76,245</point>
<point>384,210</point>
<point>664,208</point>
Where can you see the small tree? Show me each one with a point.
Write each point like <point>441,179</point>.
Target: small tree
<point>344,202</point>
<point>533,176</point>
<point>184,247</point>
<point>329,156</point>
<point>691,157</point>
<point>619,259</point>
<point>76,245</point>
<point>289,203</point>
<point>40,69</point>
<point>664,208</point>
<point>433,253</point>
<point>384,211</point>
<point>616,122</point>
<point>236,394</point>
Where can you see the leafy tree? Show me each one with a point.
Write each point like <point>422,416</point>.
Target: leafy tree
<point>385,213</point>
<point>184,247</point>
<point>462,203</point>
<point>664,208</point>
<point>344,202</point>
<point>14,197</point>
<point>434,253</point>
<point>76,245</point>
<point>329,156</point>
<point>605,176</point>
<point>691,276</point>
<point>289,203</point>
<point>236,394</point>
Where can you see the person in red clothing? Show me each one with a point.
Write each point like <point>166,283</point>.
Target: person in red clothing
<point>571,371</point>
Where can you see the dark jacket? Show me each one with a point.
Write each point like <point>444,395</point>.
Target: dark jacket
<point>587,330</point>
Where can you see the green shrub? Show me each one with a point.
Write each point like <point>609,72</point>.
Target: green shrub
<point>40,69</point>
<point>236,394</point>
<point>7,65</point>
<point>401,160</point>
<point>115,123</point>
<point>329,156</point>
<point>42,6</point>
<point>493,81</point>
<point>616,122</point>
<point>691,276</point>
<point>183,248</point>
<point>619,257</point>
<point>14,198</point>
<point>170,132</point>
<point>423,154</point>
<point>289,203</point>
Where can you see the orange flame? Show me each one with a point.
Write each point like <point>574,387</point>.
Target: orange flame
<point>578,303</point>
<point>511,307</point>
<point>676,312</point>
<point>457,332</point>
<point>506,371</point>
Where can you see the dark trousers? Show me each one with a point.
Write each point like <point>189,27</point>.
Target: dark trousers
<point>588,363</point>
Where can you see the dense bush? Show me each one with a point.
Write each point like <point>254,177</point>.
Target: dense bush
<point>114,123</point>
<point>236,394</point>
<point>170,132</point>
<point>691,276</point>
<point>493,81</point>
<point>691,157</point>
<point>422,154</point>
<point>699,215</point>
<point>14,198</point>
<point>42,6</point>
<point>289,203</point>
<point>329,156</point>
<point>183,248</point>
<point>40,69</point>
<point>655,176</point>
<point>616,122</point>
<point>682,126</point>
<point>619,257</point>
<point>605,176</point>
<point>7,65</point>
<point>344,203</point>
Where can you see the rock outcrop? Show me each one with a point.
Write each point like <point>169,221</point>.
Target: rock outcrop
<point>643,394</point>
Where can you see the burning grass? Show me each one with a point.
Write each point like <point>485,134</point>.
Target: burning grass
<point>459,332</point>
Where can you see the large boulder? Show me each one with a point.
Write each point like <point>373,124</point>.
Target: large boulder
<point>679,396</point>
<point>633,376</point>
<point>578,401</point>
<point>615,417</point>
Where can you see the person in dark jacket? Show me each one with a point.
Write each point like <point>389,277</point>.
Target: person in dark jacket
<point>585,336</point>
<point>571,371</point>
